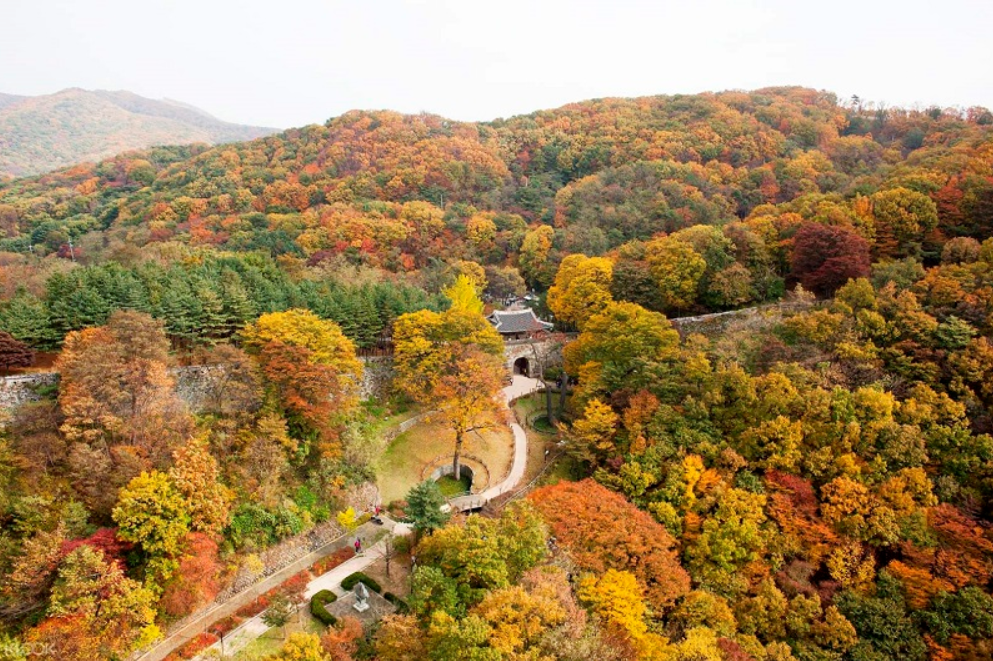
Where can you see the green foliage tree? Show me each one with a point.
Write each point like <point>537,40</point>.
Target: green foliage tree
<point>424,507</point>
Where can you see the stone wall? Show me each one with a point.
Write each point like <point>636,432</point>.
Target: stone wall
<point>538,353</point>
<point>377,377</point>
<point>759,318</point>
<point>21,389</point>
<point>193,383</point>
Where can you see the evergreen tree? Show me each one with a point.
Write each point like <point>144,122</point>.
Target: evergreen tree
<point>424,503</point>
<point>26,318</point>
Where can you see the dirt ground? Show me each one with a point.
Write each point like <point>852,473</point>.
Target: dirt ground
<point>398,582</point>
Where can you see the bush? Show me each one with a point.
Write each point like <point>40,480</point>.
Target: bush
<point>358,576</point>
<point>326,564</point>
<point>318,607</point>
<point>253,608</point>
<point>225,626</point>
<point>401,544</point>
<point>400,604</point>
<point>201,642</point>
<point>363,519</point>
<point>396,509</point>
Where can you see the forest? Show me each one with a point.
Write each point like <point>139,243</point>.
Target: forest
<point>812,483</point>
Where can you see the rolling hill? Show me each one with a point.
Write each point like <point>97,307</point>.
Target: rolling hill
<point>43,133</point>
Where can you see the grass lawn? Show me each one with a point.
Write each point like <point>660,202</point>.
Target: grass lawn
<point>538,440</point>
<point>532,406</point>
<point>272,640</point>
<point>452,487</point>
<point>384,415</point>
<point>401,465</point>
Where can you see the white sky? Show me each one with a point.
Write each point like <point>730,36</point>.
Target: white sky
<point>292,62</point>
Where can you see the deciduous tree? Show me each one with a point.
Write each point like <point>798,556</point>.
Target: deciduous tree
<point>826,257</point>
<point>14,353</point>
<point>452,363</point>
<point>581,288</point>
<point>604,531</point>
<point>115,388</point>
<point>152,512</point>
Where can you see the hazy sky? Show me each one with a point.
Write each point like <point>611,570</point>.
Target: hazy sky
<point>292,62</point>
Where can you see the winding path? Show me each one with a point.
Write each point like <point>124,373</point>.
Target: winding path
<point>519,387</point>
<point>252,628</point>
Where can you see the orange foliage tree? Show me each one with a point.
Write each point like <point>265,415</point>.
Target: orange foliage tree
<point>604,531</point>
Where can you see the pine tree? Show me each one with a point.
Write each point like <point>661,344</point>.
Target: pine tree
<point>424,503</point>
<point>26,318</point>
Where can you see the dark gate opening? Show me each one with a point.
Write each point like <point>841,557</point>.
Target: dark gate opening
<point>521,367</point>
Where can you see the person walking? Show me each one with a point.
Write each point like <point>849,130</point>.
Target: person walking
<point>358,545</point>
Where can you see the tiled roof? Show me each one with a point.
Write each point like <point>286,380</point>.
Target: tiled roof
<point>517,321</point>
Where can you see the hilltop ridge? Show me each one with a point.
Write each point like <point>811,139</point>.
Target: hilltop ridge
<point>43,133</point>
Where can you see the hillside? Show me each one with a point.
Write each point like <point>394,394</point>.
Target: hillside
<point>807,481</point>
<point>43,133</point>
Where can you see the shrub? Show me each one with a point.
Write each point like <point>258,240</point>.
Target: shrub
<point>357,577</point>
<point>296,583</point>
<point>198,644</point>
<point>400,604</point>
<point>326,564</point>
<point>252,609</point>
<point>401,544</point>
<point>225,626</point>
<point>318,607</point>
<point>397,509</point>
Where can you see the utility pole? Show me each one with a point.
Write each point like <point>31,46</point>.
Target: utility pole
<point>72,253</point>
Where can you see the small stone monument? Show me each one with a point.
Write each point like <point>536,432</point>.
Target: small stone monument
<point>361,597</point>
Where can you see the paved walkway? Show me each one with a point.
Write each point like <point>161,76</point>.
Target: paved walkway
<point>252,629</point>
<point>203,620</point>
<point>520,386</point>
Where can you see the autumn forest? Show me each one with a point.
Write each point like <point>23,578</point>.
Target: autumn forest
<point>810,479</point>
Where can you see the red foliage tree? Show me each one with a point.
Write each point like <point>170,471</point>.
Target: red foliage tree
<point>14,353</point>
<point>104,540</point>
<point>195,583</point>
<point>604,531</point>
<point>826,257</point>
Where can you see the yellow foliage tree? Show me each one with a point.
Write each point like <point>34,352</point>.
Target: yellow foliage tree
<point>581,289</point>
<point>302,328</point>
<point>302,647</point>
<point>518,619</point>
<point>618,599</point>
<point>452,362</point>
<point>677,268</point>
<point>592,436</point>
<point>464,296</point>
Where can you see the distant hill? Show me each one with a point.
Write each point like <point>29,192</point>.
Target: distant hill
<point>43,133</point>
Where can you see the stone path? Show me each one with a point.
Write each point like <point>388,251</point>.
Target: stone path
<point>520,387</point>
<point>201,622</point>
<point>253,628</point>
<point>249,630</point>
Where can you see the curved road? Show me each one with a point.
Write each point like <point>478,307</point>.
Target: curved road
<point>520,386</point>
<point>255,627</point>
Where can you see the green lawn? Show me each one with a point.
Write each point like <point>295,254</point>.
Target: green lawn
<point>406,458</point>
<point>452,487</point>
<point>272,640</point>
<point>532,407</point>
<point>384,415</point>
